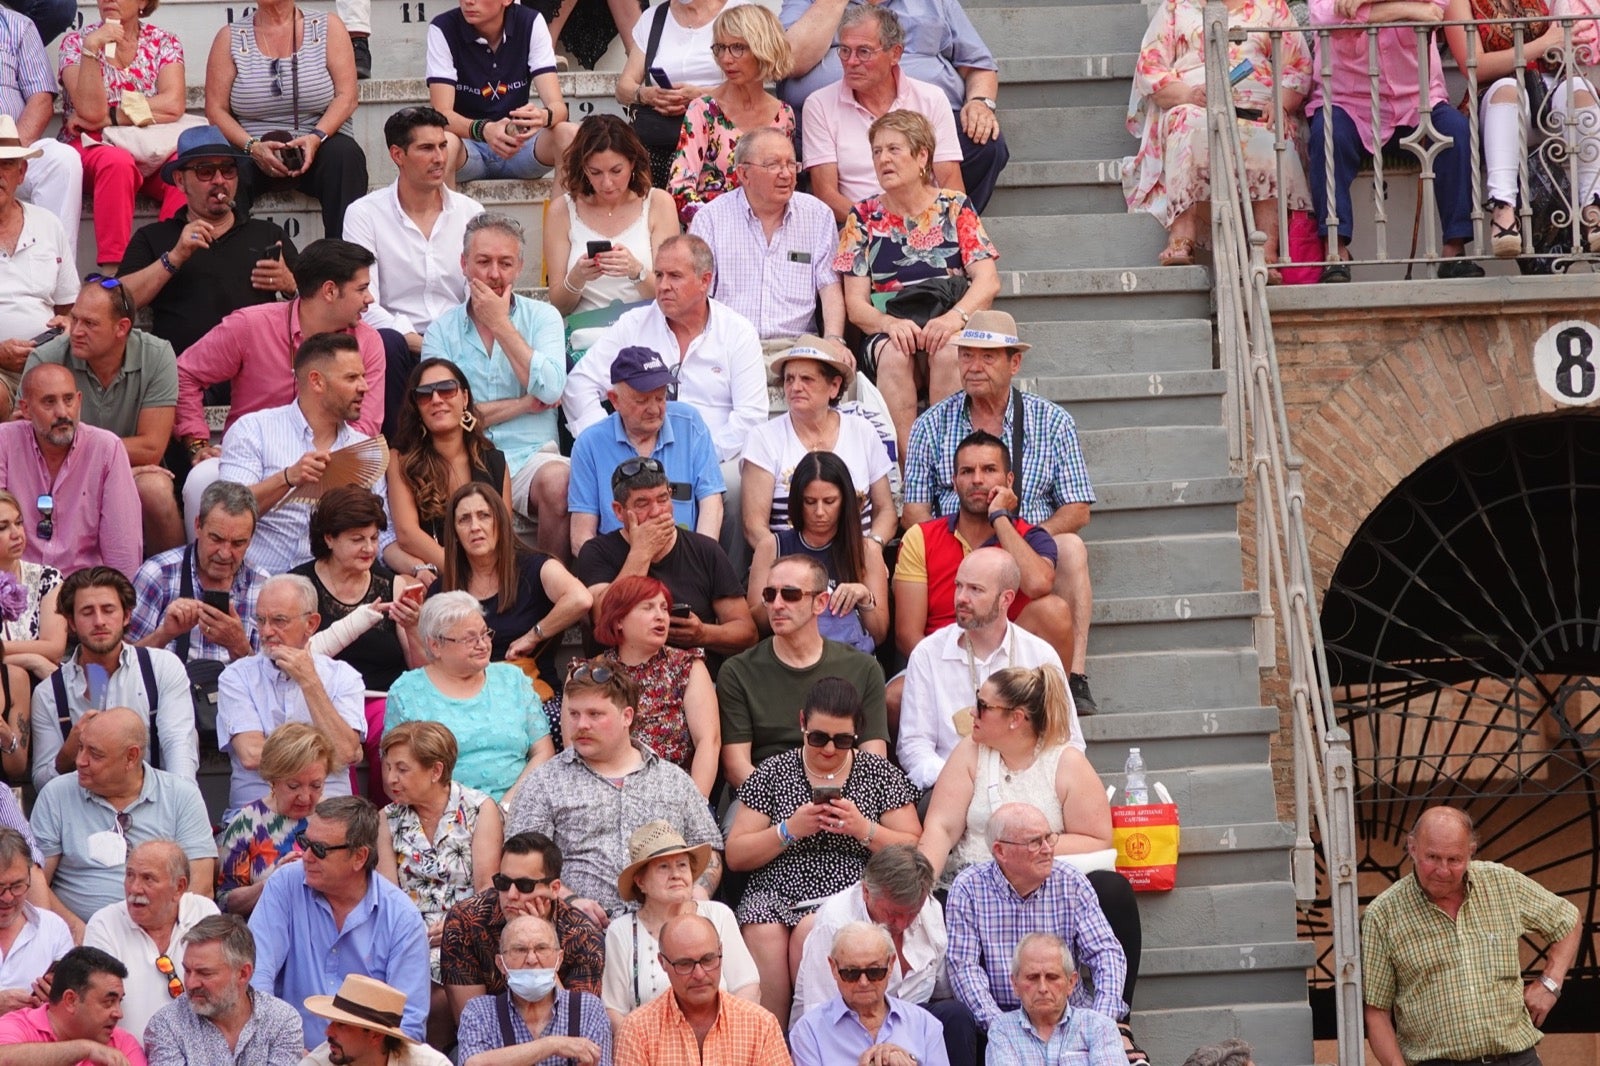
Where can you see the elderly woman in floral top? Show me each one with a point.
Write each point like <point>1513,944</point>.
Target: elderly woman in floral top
<point>912,232</point>
<point>751,50</point>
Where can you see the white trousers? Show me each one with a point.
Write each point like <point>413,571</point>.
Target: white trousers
<point>1503,145</point>
<point>55,183</point>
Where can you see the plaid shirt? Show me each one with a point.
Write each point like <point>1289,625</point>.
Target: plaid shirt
<point>772,283</point>
<point>1455,986</point>
<point>1053,471</point>
<point>987,919</point>
<point>745,1034</point>
<point>471,939</point>
<point>19,39</point>
<point>157,584</point>
<point>1081,1038</point>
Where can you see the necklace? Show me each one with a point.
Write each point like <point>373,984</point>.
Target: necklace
<point>806,765</point>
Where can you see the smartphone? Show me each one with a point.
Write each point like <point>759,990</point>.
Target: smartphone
<point>1241,72</point>
<point>680,610</point>
<point>515,129</point>
<point>658,77</point>
<point>48,335</point>
<point>414,594</point>
<point>596,247</point>
<point>826,793</point>
<point>292,158</point>
<point>274,252</point>
<point>217,599</point>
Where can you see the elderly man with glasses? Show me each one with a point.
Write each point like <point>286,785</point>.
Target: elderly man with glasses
<point>535,1017</point>
<point>863,1023</point>
<point>1047,1028</point>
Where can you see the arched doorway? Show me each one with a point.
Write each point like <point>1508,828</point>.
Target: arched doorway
<point>1462,627</point>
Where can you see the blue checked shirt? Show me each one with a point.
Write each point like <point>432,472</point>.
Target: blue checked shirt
<point>479,1031</point>
<point>987,919</point>
<point>1053,471</point>
<point>773,283</point>
<point>158,583</point>
<point>1080,1038</point>
<point>20,40</point>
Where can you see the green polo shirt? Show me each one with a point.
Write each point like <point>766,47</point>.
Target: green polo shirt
<point>148,378</point>
<point>1455,985</point>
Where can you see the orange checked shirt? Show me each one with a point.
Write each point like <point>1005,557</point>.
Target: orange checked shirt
<point>746,1034</point>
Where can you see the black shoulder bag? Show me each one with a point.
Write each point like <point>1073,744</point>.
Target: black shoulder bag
<point>658,132</point>
<point>203,673</point>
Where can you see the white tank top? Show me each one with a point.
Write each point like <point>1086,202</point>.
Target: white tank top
<point>993,786</point>
<point>636,238</point>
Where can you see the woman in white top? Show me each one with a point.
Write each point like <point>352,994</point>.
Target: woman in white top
<point>814,378</point>
<point>660,877</point>
<point>608,198</point>
<point>33,638</point>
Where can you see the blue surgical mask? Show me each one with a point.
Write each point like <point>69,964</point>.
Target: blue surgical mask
<point>531,984</point>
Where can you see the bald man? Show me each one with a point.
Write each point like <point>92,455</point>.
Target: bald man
<point>148,926</point>
<point>1438,949</point>
<point>547,1022</point>
<point>86,821</point>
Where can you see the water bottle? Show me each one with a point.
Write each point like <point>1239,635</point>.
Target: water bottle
<point>1134,790</point>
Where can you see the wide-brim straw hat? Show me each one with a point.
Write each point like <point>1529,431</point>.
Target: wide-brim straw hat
<point>11,146</point>
<point>365,1002</point>
<point>658,840</point>
<point>817,350</point>
<point>991,329</point>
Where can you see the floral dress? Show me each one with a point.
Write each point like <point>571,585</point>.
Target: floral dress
<point>895,252</point>
<point>702,167</point>
<point>437,873</point>
<point>660,720</point>
<point>1172,170</point>
<point>157,48</point>
<point>255,839</point>
<point>36,580</point>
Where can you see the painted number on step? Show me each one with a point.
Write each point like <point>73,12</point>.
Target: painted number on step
<point>1182,607</point>
<point>1229,839</point>
<point>1564,362</point>
<point>1178,489</point>
<point>244,13</point>
<point>1156,387</point>
<point>1247,958</point>
<point>1209,724</point>
<point>1129,279</point>
<point>405,13</point>
<point>290,224</point>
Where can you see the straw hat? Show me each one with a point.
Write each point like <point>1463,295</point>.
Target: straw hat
<point>365,1002</point>
<point>11,146</point>
<point>817,350</point>
<point>657,840</point>
<point>991,329</point>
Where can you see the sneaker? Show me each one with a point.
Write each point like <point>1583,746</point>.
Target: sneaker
<point>1078,684</point>
<point>1459,268</point>
<point>363,58</point>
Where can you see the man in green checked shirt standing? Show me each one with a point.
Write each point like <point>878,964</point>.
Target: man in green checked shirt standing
<point>1439,954</point>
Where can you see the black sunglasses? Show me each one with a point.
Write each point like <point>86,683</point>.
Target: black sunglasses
<point>207,171</point>
<point>818,739</point>
<point>447,387</point>
<point>525,885</point>
<point>790,593</point>
<point>580,671</point>
<point>114,286</point>
<point>852,974</point>
<point>317,847</point>
<point>633,467</point>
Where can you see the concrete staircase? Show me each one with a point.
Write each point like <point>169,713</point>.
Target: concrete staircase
<point>1127,346</point>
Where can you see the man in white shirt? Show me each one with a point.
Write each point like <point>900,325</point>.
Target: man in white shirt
<point>107,670</point>
<point>39,279</point>
<point>414,228</point>
<point>715,355</point>
<point>145,930</point>
<point>31,938</point>
<point>948,666</point>
<point>287,682</point>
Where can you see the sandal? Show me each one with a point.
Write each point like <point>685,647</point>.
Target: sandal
<point>1336,274</point>
<point>1504,241</point>
<point>1136,1055</point>
<point>1178,252</point>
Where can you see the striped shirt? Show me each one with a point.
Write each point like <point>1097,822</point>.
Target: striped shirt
<point>159,582</point>
<point>744,1034</point>
<point>773,283</point>
<point>1455,986</point>
<point>20,41</point>
<point>1053,471</point>
<point>265,89</point>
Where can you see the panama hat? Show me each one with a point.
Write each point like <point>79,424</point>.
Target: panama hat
<point>11,146</point>
<point>817,350</point>
<point>365,1002</point>
<point>658,840</point>
<point>991,329</point>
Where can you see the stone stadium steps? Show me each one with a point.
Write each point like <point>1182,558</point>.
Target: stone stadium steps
<point>1127,347</point>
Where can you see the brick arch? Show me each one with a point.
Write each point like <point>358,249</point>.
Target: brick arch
<point>1450,378</point>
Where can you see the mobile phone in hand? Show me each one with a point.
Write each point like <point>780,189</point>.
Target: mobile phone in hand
<point>414,594</point>
<point>680,610</point>
<point>273,252</point>
<point>1241,72</point>
<point>48,335</point>
<point>217,599</point>
<point>597,247</point>
<point>826,793</point>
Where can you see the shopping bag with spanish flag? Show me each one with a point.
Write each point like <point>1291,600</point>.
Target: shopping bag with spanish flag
<point>1146,837</point>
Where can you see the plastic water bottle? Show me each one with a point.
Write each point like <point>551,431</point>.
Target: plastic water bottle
<point>1134,790</point>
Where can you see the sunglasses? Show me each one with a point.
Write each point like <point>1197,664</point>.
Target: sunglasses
<point>114,286</point>
<point>525,885</point>
<point>843,741</point>
<point>46,506</point>
<point>275,69</point>
<point>590,672</point>
<point>207,171</point>
<point>984,708</point>
<point>170,972</point>
<point>852,974</point>
<point>446,388</point>
<point>790,594</point>
<point>317,847</point>
<point>634,467</point>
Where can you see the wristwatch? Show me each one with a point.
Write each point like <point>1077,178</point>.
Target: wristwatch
<point>644,272</point>
<point>1011,515</point>
<point>420,567</point>
<point>986,101</point>
<point>1553,986</point>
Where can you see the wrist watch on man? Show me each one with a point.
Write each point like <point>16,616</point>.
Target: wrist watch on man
<point>1553,985</point>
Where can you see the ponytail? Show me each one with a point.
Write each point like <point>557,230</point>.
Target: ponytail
<point>1042,694</point>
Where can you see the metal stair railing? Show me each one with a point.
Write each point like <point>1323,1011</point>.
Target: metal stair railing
<point>1324,774</point>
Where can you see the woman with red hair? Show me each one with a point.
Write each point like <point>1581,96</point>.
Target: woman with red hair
<point>677,712</point>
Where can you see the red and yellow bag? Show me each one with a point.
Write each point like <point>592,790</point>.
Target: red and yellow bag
<point>1146,838</point>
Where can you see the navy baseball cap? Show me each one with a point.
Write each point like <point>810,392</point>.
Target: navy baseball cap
<point>641,368</point>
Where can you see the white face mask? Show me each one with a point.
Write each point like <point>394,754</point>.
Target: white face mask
<point>531,984</point>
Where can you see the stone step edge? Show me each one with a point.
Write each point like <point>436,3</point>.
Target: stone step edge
<point>1221,960</point>
<point>1160,493</point>
<point>1188,724</point>
<point>1193,607</point>
<point>1145,385</point>
<point>1145,280</point>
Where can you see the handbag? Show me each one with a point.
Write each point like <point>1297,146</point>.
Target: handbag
<point>656,130</point>
<point>927,300</point>
<point>203,673</point>
<point>1146,837</point>
<point>149,145</point>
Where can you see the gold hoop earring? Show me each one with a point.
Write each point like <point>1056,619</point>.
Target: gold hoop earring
<point>469,421</point>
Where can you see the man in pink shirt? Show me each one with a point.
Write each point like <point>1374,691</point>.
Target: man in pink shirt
<point>80,1021</point>
<point>836,117</point>
<point>80,505</point>
<point>1398,87</point>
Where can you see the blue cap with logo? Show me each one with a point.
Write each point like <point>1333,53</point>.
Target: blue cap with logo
<point>640,368</point>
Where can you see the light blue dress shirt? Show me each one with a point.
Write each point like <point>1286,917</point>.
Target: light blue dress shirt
<point>300,951</point>
<point>683,445</point>
<point>833,1034</point>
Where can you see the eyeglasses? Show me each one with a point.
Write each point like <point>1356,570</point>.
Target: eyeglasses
<point>686,966</point>
<point>476,640</point>
<point>275,68</point>
<point>580,671</point>
<point>525,885</point>
<point>46,506</point>
<point>170,972</point>
<point>787,166</point>
<point>860,55</point>
<point>318,848</point>
<point>737,51</point>
<point>446,388</point>
<point>843,741</point>
<point>1034,845</point>
<point>630,468</point>
<point>124,823</point>
<point>984,708</point>
<point>114,286</point>
<point>278,621</point>
<point>208,171</point>
<point>537,951</point>
<point>790,593</point>
<point>15,888</point>
<point>852,974</point>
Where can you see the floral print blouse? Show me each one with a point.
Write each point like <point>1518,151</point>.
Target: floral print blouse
<point>250,845</point>
<point>157,48</point>
<point>895,252</point>
<point>702,167</point>
<point>37,579</point>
